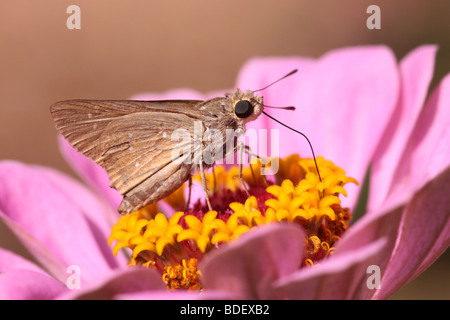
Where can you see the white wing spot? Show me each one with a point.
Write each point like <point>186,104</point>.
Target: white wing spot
<point>164,135</point>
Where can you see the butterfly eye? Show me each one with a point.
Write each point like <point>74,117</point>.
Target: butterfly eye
<point>243,109</point>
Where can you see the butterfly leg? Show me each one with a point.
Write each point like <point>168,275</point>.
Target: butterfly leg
<point>241,148</point>
<point>202,174</point>
<point>250,163</point>
<point>214,180</point>
<point>189,193</point>
<point>263,163</point>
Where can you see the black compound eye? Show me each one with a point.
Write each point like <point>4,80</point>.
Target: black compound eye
<point>243,109</point>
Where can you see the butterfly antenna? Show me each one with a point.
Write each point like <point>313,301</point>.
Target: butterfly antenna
<point>288,108</point>
<point>289,74</point>
<point>309,142</point>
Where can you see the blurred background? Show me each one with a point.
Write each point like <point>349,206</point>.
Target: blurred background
<point>128,47</point>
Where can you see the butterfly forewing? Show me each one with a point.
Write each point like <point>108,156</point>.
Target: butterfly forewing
<point>82,122</point>
<point>132,141</point>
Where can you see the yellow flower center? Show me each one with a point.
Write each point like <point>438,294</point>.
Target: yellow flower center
<point>174,244</point>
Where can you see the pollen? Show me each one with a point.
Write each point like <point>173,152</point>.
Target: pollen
<point>184,275</point>
<point>174,244</point>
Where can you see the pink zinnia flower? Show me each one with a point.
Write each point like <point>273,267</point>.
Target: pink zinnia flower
<point>357,106</point>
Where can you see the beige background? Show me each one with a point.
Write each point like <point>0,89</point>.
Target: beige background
<point>126,47</point>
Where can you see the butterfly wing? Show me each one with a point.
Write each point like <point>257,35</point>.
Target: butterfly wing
<point>136,151</point>
<point>132,141</point>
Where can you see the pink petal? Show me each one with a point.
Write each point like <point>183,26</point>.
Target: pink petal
<point>344,102</point>
<point>247,268</point>
<point>423,234</point>
<point>383,224</point>
<point>9,261</point>
<point>29,285</point>
<point>130,280</point>
<point>440,245</point>
<point>21,279</point>
<point>339,277</point>
<point>46,258</point>
<point>54,216</point>
<point>416,71</point>
<point>92,173</point>
<point>427,152</point>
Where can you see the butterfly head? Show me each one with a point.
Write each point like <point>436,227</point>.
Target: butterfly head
<point>246,106</point>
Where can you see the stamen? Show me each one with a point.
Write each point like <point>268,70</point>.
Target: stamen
<point>313,245</point>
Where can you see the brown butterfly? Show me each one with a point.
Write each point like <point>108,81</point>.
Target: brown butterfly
<point>133,140</point>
